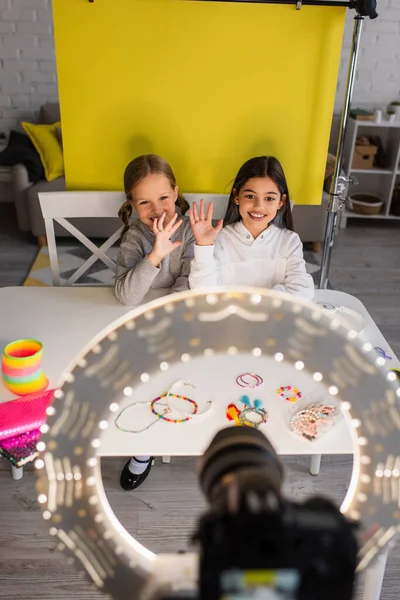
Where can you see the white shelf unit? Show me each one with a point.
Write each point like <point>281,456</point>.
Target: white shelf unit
<point>376,181</point>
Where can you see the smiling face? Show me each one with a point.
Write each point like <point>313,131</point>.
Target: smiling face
<point>259,200</point>
<point>152,197</point>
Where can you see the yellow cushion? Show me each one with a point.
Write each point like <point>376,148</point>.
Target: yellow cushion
<point>45,140</point>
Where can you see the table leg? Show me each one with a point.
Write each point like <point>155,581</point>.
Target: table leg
<point>315,464</point>
<point>17,472</point>
<point>166,459</point>
<point>374,578</point>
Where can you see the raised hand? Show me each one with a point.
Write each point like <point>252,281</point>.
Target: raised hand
<point>163,245</point>
<point>202,226</point>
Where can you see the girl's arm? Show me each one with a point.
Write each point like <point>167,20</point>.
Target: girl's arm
<point>205,269</point>
<point>297,280</point>
<point>135,273</point>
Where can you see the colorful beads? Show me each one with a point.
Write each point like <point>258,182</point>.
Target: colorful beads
<point>167,409</point>
<point>253,417</point>
<point>289,393</point>
<point>233,413</point>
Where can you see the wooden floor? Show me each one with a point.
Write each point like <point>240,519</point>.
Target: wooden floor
<point>366,263</point>
<point>163,512</point>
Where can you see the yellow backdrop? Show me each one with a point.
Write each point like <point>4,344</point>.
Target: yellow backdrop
<point>205,85</point>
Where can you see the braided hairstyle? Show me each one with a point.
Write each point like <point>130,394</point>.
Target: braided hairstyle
<point>135,172</point>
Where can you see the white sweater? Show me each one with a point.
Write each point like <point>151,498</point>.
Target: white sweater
<point>274,260</point>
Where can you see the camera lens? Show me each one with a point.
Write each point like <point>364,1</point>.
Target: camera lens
<point>242,454</point>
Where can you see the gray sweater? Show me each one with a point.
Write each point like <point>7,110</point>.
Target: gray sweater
<point>135,275</point>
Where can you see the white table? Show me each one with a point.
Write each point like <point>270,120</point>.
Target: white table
<point>66,319</point>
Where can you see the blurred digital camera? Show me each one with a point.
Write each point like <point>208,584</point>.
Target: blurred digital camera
<point>253,543</point>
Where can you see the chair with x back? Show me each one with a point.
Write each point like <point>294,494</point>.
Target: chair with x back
<point>58,207</point>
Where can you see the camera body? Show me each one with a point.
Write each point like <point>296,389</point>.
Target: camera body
<point>253,543</point>
<point>296,551</point>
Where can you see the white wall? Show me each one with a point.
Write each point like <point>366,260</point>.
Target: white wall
<point>378,67</point>
<point>27,66</point>
<point>28,74</point>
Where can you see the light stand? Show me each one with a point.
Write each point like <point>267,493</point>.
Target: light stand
<point>337,192</point>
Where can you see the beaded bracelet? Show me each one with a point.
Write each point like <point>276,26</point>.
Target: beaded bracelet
<point>168,410</point>
<point>291,390</point>
<point>134,404</point>
<point>260,412</point>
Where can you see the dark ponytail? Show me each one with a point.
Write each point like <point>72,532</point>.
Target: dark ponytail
<point>261,166</point>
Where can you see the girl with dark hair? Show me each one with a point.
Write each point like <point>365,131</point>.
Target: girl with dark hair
<point>155,253</point>
<point>255,243</point>
<point>157,247</point>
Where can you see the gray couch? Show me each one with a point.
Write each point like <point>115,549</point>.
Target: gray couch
<point>26,197</point>
<point>309,220</point>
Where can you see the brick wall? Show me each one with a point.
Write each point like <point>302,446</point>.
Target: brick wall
<point>28,74</point>
<point>378,67</point>
<point>27,65</point>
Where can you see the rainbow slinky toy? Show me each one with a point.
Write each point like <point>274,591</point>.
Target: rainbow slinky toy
<point>22,367</point>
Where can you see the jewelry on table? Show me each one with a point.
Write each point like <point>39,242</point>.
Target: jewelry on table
<point>232,413</point>
<point>348,316</point>
<point>253,380</point>
<point>306,423</point>
<point>327,305</point>
<point>151,403</point>
<point>131,430</point>
<point>168,410</point>
<point>382,353</point>
<point>325,409</point>
<point>244,416</point>
<point>293,393</point>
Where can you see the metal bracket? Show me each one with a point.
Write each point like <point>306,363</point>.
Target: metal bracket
<point>337,196</point>
<point>342,182</point>
<point>299,4</point>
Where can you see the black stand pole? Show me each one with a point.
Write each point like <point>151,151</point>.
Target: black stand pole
<point>337,198</point>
